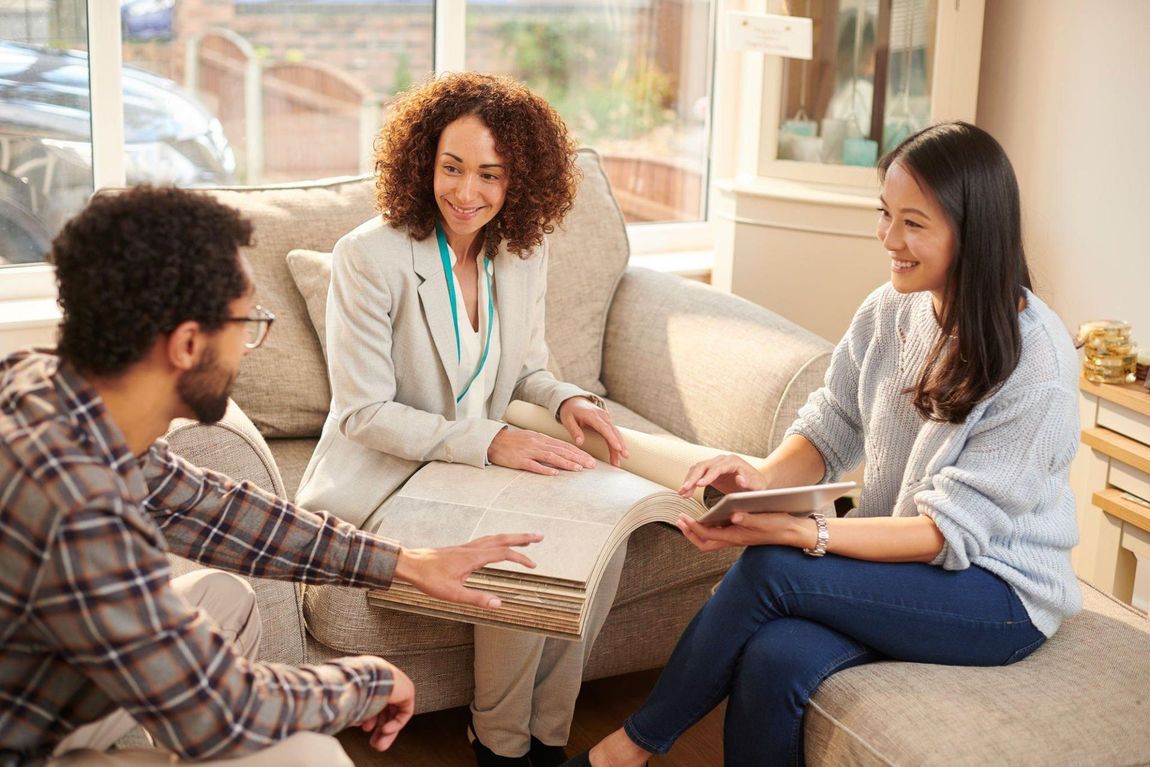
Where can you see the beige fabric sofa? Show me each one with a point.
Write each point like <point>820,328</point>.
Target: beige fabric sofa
<point>668,355</point>
<point>672,356</point>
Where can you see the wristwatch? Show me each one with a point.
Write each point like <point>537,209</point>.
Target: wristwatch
<point>823,536</point>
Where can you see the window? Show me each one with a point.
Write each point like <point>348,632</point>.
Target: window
<point>45,126</point>
<point>631,79</point>
<point>298,88</point>
<point>217,92</point>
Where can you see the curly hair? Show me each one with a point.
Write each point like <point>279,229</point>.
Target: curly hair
<point>132,266</point>
<point>529,135</point>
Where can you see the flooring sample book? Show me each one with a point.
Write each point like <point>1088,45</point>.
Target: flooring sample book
<point>584,516</point>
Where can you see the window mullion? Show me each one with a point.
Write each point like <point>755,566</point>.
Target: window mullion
<point>450,35</point>
<point>105,62</point>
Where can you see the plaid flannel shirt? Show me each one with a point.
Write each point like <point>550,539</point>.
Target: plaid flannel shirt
<point>88,619</point>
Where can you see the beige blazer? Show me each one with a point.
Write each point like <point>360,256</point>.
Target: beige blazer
<point>390,343</point>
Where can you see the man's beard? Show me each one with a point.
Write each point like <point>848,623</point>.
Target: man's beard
<point>205,388</point>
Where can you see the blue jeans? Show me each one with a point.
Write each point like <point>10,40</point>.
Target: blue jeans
<point>781,622</point>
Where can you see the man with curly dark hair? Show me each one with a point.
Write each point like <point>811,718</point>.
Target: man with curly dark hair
<point>435,322</point>
<point>95,634</point>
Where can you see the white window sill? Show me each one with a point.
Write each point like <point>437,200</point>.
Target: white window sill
<point>24,313</point>
<point>692,264</point>
<point>27,322</point>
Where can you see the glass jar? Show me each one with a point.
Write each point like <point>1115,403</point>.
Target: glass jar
<point>1109,354</point>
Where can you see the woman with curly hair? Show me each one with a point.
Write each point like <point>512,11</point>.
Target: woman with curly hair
<point>434,323</point>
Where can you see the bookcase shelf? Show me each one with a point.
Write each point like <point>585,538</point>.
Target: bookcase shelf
<point>1118,447</point>
<point>1112,485</point>
<point>1115,503</point>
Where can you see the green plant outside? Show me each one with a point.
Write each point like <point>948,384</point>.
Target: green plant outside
<point>572,63</point>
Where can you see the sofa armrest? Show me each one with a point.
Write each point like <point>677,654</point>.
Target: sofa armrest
<point>232,446</point>
<point>235,448</point>
<point>709,367</point>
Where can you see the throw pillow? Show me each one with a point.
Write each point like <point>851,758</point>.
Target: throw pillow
<point>311,271</point>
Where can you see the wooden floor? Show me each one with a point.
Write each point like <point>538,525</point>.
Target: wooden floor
<point>438,739</point>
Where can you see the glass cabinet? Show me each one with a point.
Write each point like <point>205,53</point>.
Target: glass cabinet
<point>868,86</point>
<point>796,230</point>
<point>880,70</point>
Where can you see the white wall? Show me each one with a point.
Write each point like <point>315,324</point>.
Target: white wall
<point>1065,86</point>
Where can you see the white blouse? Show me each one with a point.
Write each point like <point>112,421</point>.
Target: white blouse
<point>475,402</point>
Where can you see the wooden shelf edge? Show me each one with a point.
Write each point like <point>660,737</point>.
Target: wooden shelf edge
<point>1117,446</point>
<point>1112,501</point>
<point>1134,396</point>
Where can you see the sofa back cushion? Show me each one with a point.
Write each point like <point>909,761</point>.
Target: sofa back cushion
<point>589,254</point>
<point>284,388</point>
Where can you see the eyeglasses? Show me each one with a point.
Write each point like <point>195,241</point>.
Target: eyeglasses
<point>257,327</point>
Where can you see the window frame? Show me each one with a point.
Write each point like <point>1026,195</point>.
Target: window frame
<point>38,281</point>
<point>105,60</point>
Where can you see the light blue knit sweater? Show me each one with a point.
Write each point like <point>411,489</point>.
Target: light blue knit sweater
<point>996,485</point>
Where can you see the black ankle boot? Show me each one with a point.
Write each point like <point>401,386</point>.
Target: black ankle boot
<point>543,755</point>
<point>485,757</point>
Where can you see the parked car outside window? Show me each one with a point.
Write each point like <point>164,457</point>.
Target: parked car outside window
<point>46,151</point>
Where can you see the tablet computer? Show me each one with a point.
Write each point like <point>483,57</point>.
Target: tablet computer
<point>793,500</point>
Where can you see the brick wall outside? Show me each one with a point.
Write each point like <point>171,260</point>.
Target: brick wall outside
<point>372,44</point>
<point>383,47</point>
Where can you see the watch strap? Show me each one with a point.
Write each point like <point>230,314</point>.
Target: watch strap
<point>820,547</point>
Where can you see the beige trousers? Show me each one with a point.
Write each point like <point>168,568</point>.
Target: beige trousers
<point>231,603</point>
<point>526,684</point>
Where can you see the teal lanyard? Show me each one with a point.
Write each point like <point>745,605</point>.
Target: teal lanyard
<point>448,275</point>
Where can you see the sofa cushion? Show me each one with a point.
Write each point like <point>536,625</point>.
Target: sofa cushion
<point>283,387</point>
<point>589,254</point>
<point>1076,700</point>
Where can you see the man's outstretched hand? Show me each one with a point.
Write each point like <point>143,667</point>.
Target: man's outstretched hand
<point>441,572</point>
